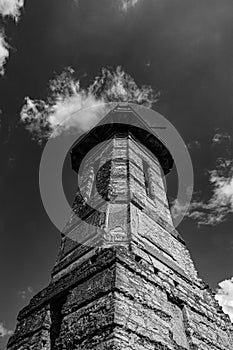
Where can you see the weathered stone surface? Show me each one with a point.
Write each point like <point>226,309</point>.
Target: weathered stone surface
<point>155,308</point>
<point>123,279</point>
<point>29,330</point>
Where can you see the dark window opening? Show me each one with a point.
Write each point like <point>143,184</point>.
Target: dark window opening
<point>95,171</point>
<point>93,259</point>
<point>103,179</point>
<point>138,258</point>
<point>176,284</point>
<point>56,319</point>
<point>146,177</point>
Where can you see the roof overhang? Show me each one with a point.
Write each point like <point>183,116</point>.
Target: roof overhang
<point>120,119</point>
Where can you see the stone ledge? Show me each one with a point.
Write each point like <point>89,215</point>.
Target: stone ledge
<point>106,257</point>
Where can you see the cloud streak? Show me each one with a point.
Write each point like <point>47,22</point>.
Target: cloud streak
<point>4,331</point>
<point>66,97</point>
<point>8,8</point>
<point>220,138</point>
<point>4,52</point>
<point>220,204</point>
<point>11,8</point>
<point>216,208</point>
<point>125,5</point>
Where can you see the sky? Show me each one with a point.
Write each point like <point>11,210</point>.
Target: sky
<point>180,48</point>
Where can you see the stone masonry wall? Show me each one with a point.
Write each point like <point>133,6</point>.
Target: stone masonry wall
<point>124,305</point>
<point>123,279</point>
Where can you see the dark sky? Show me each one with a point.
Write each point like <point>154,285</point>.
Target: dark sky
<point>183,48</point>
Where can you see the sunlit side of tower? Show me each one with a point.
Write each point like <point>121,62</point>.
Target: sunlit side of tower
<point>123,279</point>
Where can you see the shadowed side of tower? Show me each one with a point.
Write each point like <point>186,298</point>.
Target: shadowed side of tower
<point>124,278</point>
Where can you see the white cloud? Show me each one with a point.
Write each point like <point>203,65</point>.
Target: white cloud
<point>224,296</point>
<point>178,209</point>
<point>59,113</point>
<point>220,204</point>
<point>4,331</point>
<point>11,8</point>
<point>221,137</point>
<point>125,5</point>
<point>26,293</point>
<point>8,8</point>
<point>113,86</point>
<point>4,52</point>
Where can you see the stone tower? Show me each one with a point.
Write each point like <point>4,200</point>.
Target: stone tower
<point>123,279</point>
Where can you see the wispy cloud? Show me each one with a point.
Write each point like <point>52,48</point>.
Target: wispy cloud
<point>220,204</point>
<point>57,114</point>
<point>4,331</point>
<point>4,52</point>
<point>216,208</point>
<point>26,292</point>
<point>125,5</point>
<point>224,296</point>
<point>8,8</point>
<point>11,8</point>
<point>221,137</point>
<point>180,209</point>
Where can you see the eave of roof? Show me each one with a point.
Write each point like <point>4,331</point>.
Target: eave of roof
<point>121,118</point>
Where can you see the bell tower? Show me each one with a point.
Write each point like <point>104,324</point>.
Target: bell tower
<point>123,279</point>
